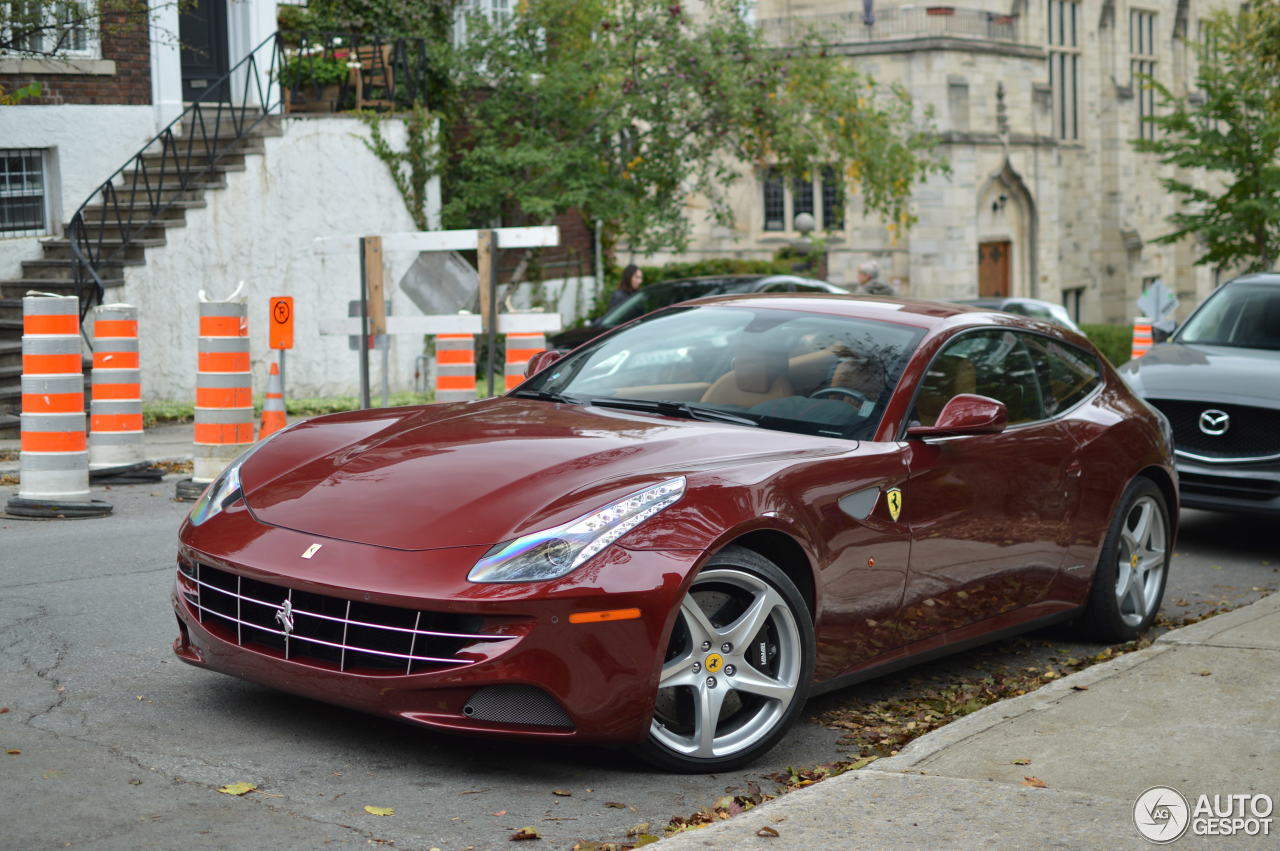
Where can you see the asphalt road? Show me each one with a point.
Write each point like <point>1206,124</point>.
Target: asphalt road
<point>122,746</point>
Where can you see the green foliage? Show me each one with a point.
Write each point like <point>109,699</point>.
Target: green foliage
<point>412,168</point>
<point>17,96</point>
<point>1232,139</point>
<point>401,18</point>
<point>167,412</point>
<point>714,266</point>
<point>313,69</point>
<point>621,108</point>
<point>1114,341</point>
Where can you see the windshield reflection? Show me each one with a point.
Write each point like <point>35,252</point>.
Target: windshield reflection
<point>773,369</point>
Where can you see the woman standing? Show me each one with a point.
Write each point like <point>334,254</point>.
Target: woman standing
<point>631,279</point>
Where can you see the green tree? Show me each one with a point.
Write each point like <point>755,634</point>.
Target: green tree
<point>1226,147</point>
<point>619,108</point>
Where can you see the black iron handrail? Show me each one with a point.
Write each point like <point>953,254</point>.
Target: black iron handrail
<point>286,72</point>
<point>168,165</point>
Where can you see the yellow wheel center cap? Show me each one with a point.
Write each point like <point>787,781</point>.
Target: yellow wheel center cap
<point>714,663</point>
<point>1133,561</point>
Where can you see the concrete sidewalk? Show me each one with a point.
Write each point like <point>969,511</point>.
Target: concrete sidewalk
<point>1198,711</point>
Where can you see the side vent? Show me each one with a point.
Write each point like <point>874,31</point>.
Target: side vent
<point>516,704</point>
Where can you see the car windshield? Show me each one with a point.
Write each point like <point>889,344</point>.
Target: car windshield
<point>775,369</point>
<point>649,299</point>
<point>1246,315</point>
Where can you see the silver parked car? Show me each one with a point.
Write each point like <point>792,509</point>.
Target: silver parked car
<point>1217,379</point>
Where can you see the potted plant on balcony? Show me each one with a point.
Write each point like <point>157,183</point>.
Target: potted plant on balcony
<point>312,80</point>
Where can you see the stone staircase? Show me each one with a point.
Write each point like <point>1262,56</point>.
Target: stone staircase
<point>54,271</point>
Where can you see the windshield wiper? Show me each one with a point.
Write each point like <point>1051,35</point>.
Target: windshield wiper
<point>547,396</point>
<point>674,409</point>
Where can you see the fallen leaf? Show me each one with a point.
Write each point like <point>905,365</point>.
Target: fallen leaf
<point>644,839</point>
<point>1022,762</point>
<point>1202,673</point>
<point>525,833</point>
<point>615,804</point>
<point>1079,688</point>
<point>133,781</point>
<point>766,832</point>
<point>380,811</point>
<point>1034,782</point>
<point>13,751</point>
<point>3,709</point>
<point>499,813</point>
<point>237,789</point>
<point>642,827</point>
<point>562,793</point>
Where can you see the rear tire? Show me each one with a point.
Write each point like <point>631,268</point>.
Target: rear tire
<point>1129,581</point>
<point>737,667</point>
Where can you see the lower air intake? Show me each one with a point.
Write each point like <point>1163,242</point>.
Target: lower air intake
<point>524,705</point>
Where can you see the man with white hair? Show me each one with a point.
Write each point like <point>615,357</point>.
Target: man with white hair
<point>869,282</point>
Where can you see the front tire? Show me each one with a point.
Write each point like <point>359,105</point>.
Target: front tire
<point>737,667</point>
<point>1129,581</point>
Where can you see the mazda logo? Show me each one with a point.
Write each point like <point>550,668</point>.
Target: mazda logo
<point>1214,422</point>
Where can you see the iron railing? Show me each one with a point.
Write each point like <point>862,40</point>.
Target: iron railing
<point>167,169</point>
<point>287,72</point>
<point>893,24</point>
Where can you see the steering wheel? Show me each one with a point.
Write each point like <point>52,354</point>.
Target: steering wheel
<point>860,398</point>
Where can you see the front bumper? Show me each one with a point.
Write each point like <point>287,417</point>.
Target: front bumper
<point>1237,488</point>
<point>540,675</point>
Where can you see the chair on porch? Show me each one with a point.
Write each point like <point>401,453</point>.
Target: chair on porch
<point>373,78</point>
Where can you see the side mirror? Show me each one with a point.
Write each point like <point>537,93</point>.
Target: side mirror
<point>966,414</point>
<point>542,360</point>
<point>1159,335</point>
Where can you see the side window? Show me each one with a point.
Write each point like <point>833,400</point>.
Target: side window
<point>989,363</point>
<point>811,288</point>
<point>1066,373</point>
<point>779,287</point>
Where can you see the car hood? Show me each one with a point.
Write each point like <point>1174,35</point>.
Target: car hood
<point>1208,373</point>
<point>483,472</point>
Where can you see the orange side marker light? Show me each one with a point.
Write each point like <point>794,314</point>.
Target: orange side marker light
<point>606,615</point>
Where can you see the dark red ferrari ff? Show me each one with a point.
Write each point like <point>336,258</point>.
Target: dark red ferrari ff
<point>672,536</point>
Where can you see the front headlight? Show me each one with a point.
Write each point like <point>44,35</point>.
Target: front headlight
<point>226,489</point>
<point>552,553</point>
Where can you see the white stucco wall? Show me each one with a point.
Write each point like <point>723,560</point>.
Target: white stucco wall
<point>315,180</point>
<point>86,145</point>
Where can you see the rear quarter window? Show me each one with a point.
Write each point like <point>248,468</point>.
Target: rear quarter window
<point>1066,374</point>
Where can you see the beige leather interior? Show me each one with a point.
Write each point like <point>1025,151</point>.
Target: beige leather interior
<point>948,376</point>
<point>758,375</point>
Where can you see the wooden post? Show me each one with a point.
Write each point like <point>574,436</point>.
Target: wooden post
<point>487,271</point>
<point>373,280</point>
<point>370,282</point>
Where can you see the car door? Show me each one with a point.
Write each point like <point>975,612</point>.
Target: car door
<point>985,513</point>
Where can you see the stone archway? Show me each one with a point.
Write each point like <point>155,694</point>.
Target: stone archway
<point>1006,235</point>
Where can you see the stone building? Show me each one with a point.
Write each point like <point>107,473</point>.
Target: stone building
<point>1036,104</point>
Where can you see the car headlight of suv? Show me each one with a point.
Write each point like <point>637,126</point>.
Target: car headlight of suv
<point>552,553</point>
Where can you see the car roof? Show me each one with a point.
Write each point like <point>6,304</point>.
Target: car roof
<point>1271,278</point>
<point>906,311</point>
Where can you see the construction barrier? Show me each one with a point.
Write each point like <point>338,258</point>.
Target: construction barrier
<point>520,348</point>
<point>1142,341</point>
<point>224,393</point>
<point>54,460</point>
<point>116,450</point>
<point>455,368</point>
<point>273,418</point>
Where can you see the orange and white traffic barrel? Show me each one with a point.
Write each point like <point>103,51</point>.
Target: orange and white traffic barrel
<point>54,460</point>
<point>520,348</point>
<point>455,368</point>
<point>224,393</point>
<point>115,406</point>
<point>273,418</point>
<point>1142,341</point>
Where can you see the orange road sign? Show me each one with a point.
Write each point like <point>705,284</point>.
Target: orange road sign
<point>281,324</point>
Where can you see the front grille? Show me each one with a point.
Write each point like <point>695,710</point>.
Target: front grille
<point>331,632</point>
<point>1253,433</point>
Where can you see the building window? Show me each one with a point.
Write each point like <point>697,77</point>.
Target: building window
<point>1064,66</point>
<point>1072,299</point>
<point>496,12</point>
<point>48,29</point>
<point>23,208</point>
<point>1142,63</point>
<point>784,200</point>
